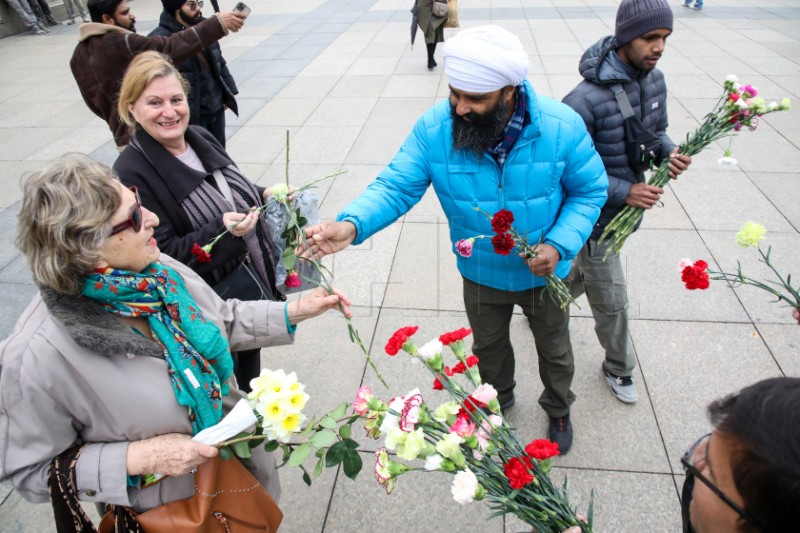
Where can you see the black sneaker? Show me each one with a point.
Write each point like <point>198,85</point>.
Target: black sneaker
<point>508,404</point>
<point>560,432</point>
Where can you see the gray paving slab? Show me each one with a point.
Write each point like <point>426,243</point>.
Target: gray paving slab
<point>341,76</point>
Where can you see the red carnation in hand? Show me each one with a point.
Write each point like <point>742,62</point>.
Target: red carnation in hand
<point>472,360</point>
<point>200,253</point>
<point>453,336</point>
<point>518,473</point>
<point>696,276</point>
<point>399,338</point>
<point>542,449</point>
<point>501,221</point>
<point>503,243</point>
<point>437,385</point>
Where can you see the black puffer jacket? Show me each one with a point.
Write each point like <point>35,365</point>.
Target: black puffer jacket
<point>209,90</point>
<point>594,101</point>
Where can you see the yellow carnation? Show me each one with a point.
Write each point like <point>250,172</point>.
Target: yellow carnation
<point>750,234</point>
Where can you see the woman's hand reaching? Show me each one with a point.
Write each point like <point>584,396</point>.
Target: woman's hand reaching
<point>173,454</point>
<point>315,303</point>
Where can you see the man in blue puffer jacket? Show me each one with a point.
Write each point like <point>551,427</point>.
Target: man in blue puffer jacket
<point>626,59</point>
<point>495,145</point>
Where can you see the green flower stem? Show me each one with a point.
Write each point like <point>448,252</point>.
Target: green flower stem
<point>326,285</point>
<point>793,296</point>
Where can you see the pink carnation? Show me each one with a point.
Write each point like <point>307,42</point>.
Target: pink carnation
<point>463,427</point>
<point>485,393</point>
<point>293,280</point>
<point>362,398</point>
<point>464,247</point>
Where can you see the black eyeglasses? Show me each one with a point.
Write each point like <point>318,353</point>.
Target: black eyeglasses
<point>134,220</point>
<point>689,460</point>
<point>192,5</point>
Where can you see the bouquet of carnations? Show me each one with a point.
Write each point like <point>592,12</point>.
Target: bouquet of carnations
<point>738,107</point>
<point>695,275</point>
<point>504,240</point>
<point>274,409</point>
<point>467,437</point>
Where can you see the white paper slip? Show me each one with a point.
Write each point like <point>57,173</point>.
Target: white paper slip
<point>239,419</point>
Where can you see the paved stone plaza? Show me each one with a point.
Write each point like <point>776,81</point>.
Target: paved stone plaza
<point>341,77</point>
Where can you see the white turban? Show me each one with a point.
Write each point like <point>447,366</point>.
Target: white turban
<point>485,59</point>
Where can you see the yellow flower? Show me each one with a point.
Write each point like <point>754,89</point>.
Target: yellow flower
<point>750,234</point>
<point>786,104</point>
<point>272,411</point>
<point>292,422</point>
<point>297,401</point>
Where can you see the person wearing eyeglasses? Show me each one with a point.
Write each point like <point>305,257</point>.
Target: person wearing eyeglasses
<point>744,476</point>
<point>213,89</point>
<point>124,352</point>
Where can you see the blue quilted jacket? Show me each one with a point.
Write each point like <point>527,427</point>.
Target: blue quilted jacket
<point>553,181</point>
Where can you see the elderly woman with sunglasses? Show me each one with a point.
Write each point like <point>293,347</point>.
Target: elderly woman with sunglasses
<point>187,178</point>
<point>124,351</point>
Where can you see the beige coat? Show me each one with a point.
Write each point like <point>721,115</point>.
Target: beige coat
<point>71,372</point>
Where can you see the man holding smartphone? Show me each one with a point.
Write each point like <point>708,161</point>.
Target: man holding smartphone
<point>213,87</point>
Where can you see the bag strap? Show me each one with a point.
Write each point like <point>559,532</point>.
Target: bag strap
<point>67,511</point>
<point>622,100</point>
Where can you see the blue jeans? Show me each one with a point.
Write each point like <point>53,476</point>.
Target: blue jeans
<point>23,9</point>
<point>71,5</point>
<point>698,3</point>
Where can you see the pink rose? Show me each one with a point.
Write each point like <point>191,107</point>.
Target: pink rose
<point>293,280</point>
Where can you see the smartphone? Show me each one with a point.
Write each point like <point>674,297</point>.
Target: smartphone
<point>242,8</point>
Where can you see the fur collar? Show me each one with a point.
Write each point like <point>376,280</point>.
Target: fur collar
<point>94,328</point>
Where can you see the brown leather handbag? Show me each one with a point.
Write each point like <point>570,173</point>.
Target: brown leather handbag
<point>227,499</point>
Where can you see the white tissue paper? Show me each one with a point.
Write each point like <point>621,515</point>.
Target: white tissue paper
<point>239,419</point>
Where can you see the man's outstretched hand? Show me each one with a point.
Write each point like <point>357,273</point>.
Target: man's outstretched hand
<point>326,238</point>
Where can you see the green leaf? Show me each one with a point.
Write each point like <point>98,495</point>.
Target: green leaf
<point>255,442</point>
<point>327,422</point>
<point>306,478</point>
<point>339,411</point>
<point>309,428</point>
<point>344,432</point>
<point>242,449</point>
<point>271,446</point>
<point>336,454</point>
<point>322,439</point>
<point>352,464</point>
<point>350,444</point>
<point>302,221</point>
<point>318,468</point>
<point>299,454</point>
<point>288,258</point>
<point>225,453</point>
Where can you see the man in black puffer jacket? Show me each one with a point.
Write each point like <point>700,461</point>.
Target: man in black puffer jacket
<point>627,59</point>
<point>212,86</point>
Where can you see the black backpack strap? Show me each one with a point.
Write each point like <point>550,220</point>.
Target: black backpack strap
<point>622,100</point>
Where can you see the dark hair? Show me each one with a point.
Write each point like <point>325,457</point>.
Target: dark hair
<point>98,8</point>
<point>764,422</point>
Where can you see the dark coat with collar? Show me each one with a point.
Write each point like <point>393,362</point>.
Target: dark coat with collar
<point>201,77</point>
<point>164,182</point>
<point>105,51</point>
<point>594,101</point>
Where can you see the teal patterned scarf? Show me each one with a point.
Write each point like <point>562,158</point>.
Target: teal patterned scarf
<point>198,357</point>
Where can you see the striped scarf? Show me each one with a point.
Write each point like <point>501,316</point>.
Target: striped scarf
<point>513,128</point>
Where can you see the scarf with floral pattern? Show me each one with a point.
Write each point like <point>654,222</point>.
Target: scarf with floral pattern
<point>197,353</point>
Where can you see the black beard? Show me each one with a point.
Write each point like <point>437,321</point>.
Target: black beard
<point>481,132</point>
<point>197,19</point>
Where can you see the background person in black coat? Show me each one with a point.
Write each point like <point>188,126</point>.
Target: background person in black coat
<point>212,86</point>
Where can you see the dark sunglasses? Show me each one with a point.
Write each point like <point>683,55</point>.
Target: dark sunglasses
<point>134,220</point>
<point>194,5</point>
<point>689,461</point>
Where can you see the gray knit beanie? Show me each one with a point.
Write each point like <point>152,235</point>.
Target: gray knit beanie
<point>637,17</point>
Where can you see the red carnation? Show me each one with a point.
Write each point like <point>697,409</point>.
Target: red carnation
<point>453,336</point>
<point>503,243</point>
<point>696,276</point>
<point>293,280</point>
<point>518,472</point>
<point>472,360</point>
<point>501,221</point>
<point>200,253</point>
<point>470,404</point>
<point>437,385</point>
<point>399,338</point>
<point>542,449</point>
